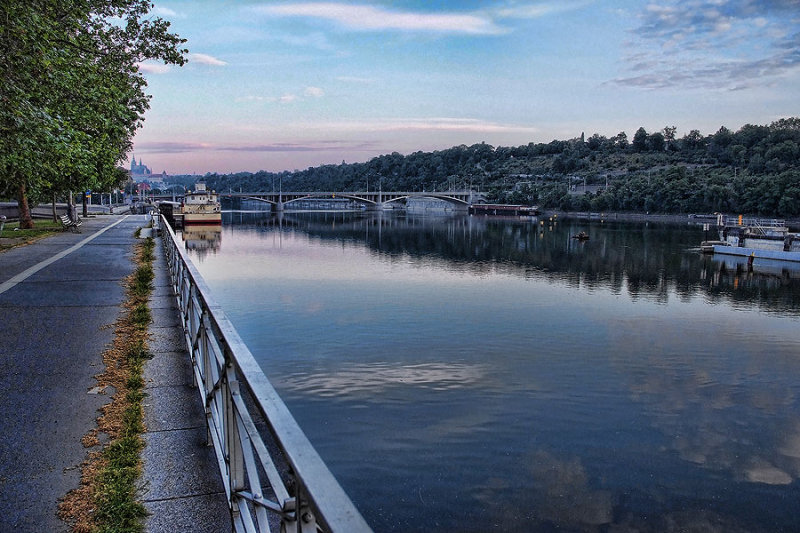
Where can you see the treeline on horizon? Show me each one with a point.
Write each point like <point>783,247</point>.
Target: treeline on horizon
<point>754,170</point>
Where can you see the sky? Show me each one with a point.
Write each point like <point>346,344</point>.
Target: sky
<point>290,85</point>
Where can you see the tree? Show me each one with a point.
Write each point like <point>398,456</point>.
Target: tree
<point>621,140</point>
<point>750,135</point>
<point>596,142</point>
<point>656,142</point>
<point>693,140</point>
<point>71,93</point>
<point>669,136</point>
<point>640,140</point>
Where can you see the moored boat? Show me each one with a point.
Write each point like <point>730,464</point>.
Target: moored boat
<point>201,206</point>
<point>756,239</point>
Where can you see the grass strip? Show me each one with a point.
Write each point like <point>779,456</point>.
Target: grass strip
<point>106,499</point>
<point>12,235</point>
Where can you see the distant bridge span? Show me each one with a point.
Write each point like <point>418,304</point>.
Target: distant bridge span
<point>373,200</point>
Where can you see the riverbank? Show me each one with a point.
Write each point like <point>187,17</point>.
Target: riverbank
<point>678,218</point>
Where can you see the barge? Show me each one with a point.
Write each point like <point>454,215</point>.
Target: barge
<point>756,239</point>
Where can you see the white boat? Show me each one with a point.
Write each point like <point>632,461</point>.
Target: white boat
<point>758,239</point>
<point>201,207</point>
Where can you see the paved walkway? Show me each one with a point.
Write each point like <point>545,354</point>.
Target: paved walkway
<point>58,298</point>
<point>183,489</point>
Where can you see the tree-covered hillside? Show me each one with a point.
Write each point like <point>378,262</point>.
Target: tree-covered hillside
<point>754,170</point>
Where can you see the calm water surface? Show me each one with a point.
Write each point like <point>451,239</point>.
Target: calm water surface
<point>473,374</point>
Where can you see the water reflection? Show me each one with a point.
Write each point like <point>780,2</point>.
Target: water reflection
<point>370,379</point>
<point>473,374</point>
<point>730,406</point>
<point>202,239</point>
<point>644,260</point>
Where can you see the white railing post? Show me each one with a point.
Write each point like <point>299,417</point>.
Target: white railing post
<point>235,456</point>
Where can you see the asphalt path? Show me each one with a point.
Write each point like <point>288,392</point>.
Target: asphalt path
<point>58,298</point>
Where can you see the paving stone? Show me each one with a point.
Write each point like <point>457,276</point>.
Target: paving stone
<point>166,316</point>
<point>166,340</point>
<point>178,464</point>
<point>207,513</point>
<point>168,369</point>
<point>171,408</point>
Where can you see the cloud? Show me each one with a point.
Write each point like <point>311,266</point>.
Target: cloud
<point>427,124</point>
<point>731,75</point>
<point>355,79</point>
<point>288,98</point>
<point>171,147</point>
<point>161,11</point>
<point>538,10</point>
<point>256,98</point>
<point>713,44</point>
<point>153,68</point>
<point>314,146</point>
<point>205,59</point>
<point>371,18</point>
<point>314,92</point>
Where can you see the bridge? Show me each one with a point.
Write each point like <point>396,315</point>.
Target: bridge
<point>374,200</point>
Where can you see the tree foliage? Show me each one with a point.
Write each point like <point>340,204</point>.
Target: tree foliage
<point>71,93</point>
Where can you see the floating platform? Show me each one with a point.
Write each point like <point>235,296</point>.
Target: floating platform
<point>503,210</point>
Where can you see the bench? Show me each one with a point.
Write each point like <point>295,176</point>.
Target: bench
<point>70,224</point>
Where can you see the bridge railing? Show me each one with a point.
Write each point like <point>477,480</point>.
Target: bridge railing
<point>273,476</point>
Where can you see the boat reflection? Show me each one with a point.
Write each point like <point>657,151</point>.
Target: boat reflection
<point>773,268</point>
<point>202,239</point>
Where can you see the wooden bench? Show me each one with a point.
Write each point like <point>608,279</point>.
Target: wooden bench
<point>70,224</point>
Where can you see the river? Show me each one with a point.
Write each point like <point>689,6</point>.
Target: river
<point>473,374</point>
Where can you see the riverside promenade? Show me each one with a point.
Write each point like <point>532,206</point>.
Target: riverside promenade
<point>59,299</point>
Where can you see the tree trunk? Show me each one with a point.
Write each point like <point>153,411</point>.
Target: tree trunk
<point>55,214</point>
<point>25,219</point>
<point>71,211</point>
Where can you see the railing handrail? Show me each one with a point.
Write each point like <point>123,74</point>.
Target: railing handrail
<point>222,363</point>
<point>734,220</point>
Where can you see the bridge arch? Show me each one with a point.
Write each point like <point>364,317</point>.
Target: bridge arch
<point>375,199</point>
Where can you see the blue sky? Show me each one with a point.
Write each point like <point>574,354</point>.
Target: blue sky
<point>288,85</point>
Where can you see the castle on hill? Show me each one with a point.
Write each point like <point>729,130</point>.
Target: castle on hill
<point>139,169</point>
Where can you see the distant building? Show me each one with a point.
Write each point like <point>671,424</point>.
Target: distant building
<point>139,169</point>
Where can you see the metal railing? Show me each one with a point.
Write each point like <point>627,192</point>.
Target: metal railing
<point>273,476</point>
<point>752,222</point>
